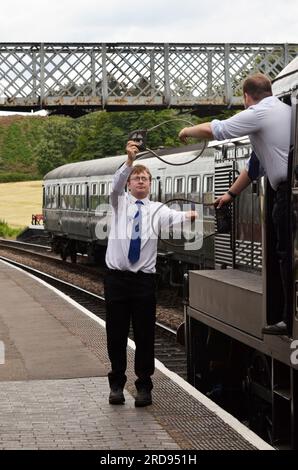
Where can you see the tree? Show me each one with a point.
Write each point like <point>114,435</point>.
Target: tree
<point>56,144</point>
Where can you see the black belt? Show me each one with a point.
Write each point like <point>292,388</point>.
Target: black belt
<point>118,272</point>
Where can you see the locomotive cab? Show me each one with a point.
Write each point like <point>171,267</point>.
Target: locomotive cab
<point>253,375</point>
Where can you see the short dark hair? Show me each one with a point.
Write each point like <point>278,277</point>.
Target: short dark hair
<point>257,86</point>
<point>140,169</point>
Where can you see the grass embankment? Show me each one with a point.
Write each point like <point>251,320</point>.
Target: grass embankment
<point>18,201</point>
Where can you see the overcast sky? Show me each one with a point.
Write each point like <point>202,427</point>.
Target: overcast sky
<point>150,21</point>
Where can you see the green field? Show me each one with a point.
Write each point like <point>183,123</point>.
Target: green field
<point>18,201</point>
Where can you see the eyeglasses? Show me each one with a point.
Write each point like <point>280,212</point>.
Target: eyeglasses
<point>140,178</point>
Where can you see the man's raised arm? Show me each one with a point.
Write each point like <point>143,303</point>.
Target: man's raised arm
<point>122,174</point>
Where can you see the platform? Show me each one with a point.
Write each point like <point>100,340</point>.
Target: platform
<point>54,390</point>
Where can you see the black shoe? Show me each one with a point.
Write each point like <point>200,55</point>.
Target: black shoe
<point>143,398</point>
<point>116,396</point>
<point>279,328</point>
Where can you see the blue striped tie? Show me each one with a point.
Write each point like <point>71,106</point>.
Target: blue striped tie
<point>135,242</point>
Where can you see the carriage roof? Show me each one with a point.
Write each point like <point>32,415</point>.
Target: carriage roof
<point>108,165</point>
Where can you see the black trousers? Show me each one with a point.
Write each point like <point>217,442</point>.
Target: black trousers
<point>280,220</point>
<point>130,297</point>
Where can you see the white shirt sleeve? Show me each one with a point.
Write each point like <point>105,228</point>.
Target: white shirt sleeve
<point>119,183</point>
<point>169,217</point>
<point>239,125</point>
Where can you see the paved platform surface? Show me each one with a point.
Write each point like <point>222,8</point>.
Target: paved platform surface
<point>33,329</point>
<point>74,414</point>
<point>54,393</point>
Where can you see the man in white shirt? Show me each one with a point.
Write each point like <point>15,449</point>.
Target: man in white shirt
<point>267,121</point>
<point>130,281</point>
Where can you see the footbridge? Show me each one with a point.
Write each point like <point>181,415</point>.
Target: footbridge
<point>75,78</point>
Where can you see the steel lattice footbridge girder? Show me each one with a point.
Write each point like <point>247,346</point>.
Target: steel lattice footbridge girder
<point>132,75</point>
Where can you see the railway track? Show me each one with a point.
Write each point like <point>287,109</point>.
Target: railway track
<point>167,350</point>
<point>86,276</point>
<point>30,247</point>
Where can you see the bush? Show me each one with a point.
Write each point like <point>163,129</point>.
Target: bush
<point>8,232</point>
<point>13,177</point>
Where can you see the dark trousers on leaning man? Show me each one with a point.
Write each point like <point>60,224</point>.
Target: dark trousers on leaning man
<point>280,220</point>
<point>130,296</point>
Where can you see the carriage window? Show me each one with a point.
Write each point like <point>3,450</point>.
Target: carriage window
<point>239,152</point>
<point>48,196</point>
<point>94,198</point>
<point>58,195</point>
<point>93,189</point>
<point>168,185</point>
<point>153,187</point>
<point>84,196</point>
<point>53,197</point>
<point>64,197</point>
<point>103,198</point>
<point>231,152</point>
<point>246,151</point>
<point>193,184</point>
<point>77,197</point>
<point>102,189</point>
<point>153,190</point>
<point>71,196</point>
<point>179,185</point>
<point>208,184</point>
<point>208,209</point>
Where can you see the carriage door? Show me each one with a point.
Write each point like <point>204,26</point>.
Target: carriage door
<point>247,227</point>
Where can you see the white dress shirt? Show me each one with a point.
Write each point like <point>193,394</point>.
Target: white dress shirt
<point>268,124</point>
<point>155,216</point>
